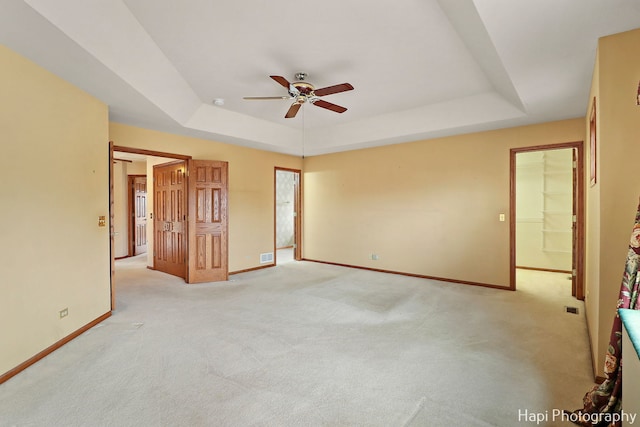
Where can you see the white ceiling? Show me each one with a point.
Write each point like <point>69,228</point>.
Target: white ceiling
<point>420,68</point>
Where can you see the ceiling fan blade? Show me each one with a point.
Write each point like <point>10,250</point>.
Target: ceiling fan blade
<point>329,106</point>
<point>283,82</point>
<point>253,98</point>
<point>293,110</point>
<point>333,89</point>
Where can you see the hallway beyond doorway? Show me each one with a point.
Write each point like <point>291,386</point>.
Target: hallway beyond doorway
<point>546,284</point>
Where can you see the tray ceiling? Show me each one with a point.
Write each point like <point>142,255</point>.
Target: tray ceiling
<point>420,68</point>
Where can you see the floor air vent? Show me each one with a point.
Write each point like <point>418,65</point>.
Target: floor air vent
<point>572,310</point>
<point>265,258</point>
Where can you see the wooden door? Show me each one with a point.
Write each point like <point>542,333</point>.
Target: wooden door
<point>169,223</point>
<point>208,261</point>
<point>137,214</point>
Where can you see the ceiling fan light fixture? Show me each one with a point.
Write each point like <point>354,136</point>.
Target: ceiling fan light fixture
<point>301,92</point>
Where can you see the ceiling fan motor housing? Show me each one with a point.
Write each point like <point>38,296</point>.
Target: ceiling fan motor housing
<point>301,89</point>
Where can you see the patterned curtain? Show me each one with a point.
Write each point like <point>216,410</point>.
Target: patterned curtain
<point>606,398</point>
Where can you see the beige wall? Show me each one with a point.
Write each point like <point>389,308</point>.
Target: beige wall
<point>54,186</point>
<point>592,234</point>
<point>251,185</point>
<point>120,206</point>
<point>612,202</point>
<point>429,207</point>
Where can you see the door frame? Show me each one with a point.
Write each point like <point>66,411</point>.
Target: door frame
<point>117,148</point>
<point>297,208</point>
<point>579,203</point>
<point>112,266</point>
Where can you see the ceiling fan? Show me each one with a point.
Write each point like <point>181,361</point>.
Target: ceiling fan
<point>301,91</point>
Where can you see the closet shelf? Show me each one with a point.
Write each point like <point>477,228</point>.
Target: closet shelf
<point>531,165</point>
<point>557,212</point>
<point>557,172</point>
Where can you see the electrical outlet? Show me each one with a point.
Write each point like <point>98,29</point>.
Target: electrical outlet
<point>375,257</point>
<point>64,312</point>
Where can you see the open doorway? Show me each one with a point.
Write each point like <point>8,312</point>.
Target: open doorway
<point>547,211</point>
<point>188,223</point>
<point>129,205</point>
<point>127,166</point>
<point>133,201</point>
<point>287,215</point>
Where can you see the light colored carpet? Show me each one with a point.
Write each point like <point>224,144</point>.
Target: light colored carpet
<point>306,344</point>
